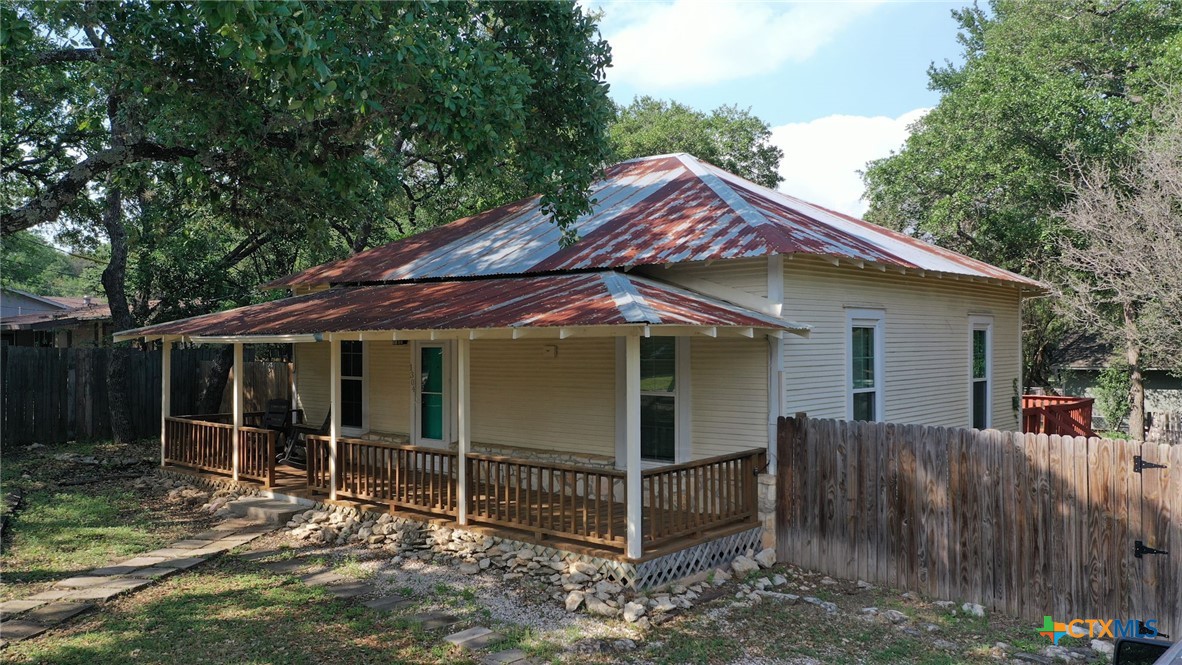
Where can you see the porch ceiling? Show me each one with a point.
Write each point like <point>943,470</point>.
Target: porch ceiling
<point>591,303</point>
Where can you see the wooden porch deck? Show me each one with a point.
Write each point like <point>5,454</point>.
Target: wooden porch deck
<point>578,508</point>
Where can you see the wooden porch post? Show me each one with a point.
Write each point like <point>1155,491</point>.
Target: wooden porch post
<point>334,405</point>
<point>464,420</point>
<point>237,400</point>
<point>632,446</point>
<point>165,392</point>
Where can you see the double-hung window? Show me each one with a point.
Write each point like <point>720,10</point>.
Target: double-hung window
<point>352,385</point>
<point>981,370</point>
<point>658,398</point>
<point>864,379</point>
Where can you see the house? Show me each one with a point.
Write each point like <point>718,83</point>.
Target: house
<point>617,397</point>
<point>1086,356</point>
<point>27,319</point>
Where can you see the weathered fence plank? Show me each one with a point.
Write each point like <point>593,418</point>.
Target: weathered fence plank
<point>52,395</point>
<point>1029,524</point>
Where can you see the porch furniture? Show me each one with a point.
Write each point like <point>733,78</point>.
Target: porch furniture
<point>295,453</point>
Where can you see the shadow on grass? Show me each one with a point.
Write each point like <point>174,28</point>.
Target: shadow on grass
<point>219,615</point>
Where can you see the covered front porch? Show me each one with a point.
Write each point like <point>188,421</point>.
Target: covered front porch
<point>615,472</point>
<point>537,501</point>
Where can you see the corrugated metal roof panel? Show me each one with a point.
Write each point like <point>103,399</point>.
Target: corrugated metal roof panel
<point>584,299</point>
<point>654,210</point>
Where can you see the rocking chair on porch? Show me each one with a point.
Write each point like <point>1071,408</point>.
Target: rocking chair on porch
<point>295,453</point>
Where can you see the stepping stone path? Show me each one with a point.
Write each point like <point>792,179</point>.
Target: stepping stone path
<point>29,617</point>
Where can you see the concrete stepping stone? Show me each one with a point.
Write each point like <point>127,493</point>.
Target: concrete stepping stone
<point>181,563</point>
<point>208,535</point>
<point>191,544</point>
<point>170,552</point>
<point>483,641</point>
<point>16,630</point>
<point>83,581</point>
<point>11,607</point>
<point>433,620</point>
<point>387,603</point>
<point>504,657</point>
<point>55,613</point>
<point>117,569</point>
<point>125,583</point>
<point>94,593</point>
<point>52,594</point>
<point>268,511</point>
<point>461,638</point>
<point>141,561</point>
<point>323,578</point>
<point>262,554</point>
<point>351,589</point>
<point>152,572</point>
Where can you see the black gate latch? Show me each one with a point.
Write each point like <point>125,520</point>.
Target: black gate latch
<point>1140,465</point>
<point>1140,549</point>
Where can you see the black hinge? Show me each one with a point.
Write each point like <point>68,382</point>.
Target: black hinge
<point>1139,550</point>
<point>1143,631</point>
<point>1140,465</point>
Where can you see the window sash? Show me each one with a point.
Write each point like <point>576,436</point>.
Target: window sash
<point>658,399</point>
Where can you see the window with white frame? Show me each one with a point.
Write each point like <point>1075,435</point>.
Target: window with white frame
<point>980,370</point>
<point>352,385</point>
<point>658,398</point>
<point>864,376</point>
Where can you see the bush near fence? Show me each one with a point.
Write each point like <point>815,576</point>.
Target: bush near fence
<point>1027,524</point>
<point>50,395</point>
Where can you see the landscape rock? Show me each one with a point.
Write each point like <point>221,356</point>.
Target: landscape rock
<point>574,599</point>
<point>1103,646</point>
<point>973,609</point>
<point>633,612</point>
<point>599,607</point>
<point>742,565</point>
<point>766,558</point>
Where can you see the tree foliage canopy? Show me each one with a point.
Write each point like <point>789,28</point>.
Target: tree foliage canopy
<point>986,171</point>
<point>728,137</point>
<point>341,108</point>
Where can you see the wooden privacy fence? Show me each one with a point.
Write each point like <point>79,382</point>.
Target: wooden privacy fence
<point>1028,524</point>
<point>50,395</point>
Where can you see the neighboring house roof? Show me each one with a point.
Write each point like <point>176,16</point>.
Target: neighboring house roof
<point>56,319</point>
<point>653,210</point>
<point>68,311</point>
<point>604,298</point>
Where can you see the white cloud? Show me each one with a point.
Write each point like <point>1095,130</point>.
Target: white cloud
<point>822,157</point>
<point>689,42</point>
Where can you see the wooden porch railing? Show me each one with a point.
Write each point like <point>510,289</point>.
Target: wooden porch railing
<point>249,419</point>
<point>198,444</point>
<point>256,454</point>
<point>687,499</point>
<point>201,444</point>
<point>406,476</point>
<point>580,503</point>
<point>1054,414</point>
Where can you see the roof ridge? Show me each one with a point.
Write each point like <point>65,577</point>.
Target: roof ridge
<point>724,190</point>
<point>628,300</point>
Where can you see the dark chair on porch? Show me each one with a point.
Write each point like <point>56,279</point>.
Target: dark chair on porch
<point>295,453</point>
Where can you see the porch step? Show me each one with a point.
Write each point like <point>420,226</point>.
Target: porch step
<point>267,511</point>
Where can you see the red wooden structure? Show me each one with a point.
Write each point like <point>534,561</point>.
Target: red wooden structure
<point>1053,414</point>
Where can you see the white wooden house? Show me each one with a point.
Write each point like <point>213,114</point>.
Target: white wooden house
<point>617,397</point>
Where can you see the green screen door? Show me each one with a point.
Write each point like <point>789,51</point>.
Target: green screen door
<point>431,392</point>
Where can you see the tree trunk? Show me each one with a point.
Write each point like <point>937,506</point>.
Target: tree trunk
<point>210,399</point>
<point>1137,393</point>
<point>115,287</point>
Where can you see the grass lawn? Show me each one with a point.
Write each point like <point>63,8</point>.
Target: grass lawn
<point>228,611</point>
<point>75,517</point>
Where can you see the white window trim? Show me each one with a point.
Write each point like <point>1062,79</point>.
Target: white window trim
<point>449,393</point>
<point>981,322</point>
<point>358,431</point>
<point>682,407</point>
<point>866,318</point>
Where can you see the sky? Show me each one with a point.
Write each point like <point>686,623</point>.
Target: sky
<point>839,82</point>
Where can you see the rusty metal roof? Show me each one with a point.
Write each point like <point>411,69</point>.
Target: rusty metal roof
<point>605,298</point>
<point>653,210</point>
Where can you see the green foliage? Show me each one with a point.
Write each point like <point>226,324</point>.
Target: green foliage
<point>1043,84</point>
<point>728,137</point>
<point>1112,394</point>
<point>295,132</point>
<point>29,263</point>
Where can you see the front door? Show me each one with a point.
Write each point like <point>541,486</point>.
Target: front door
<point>432,394</point>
